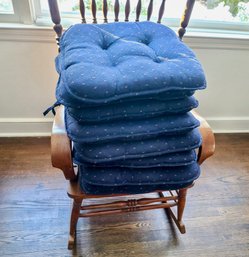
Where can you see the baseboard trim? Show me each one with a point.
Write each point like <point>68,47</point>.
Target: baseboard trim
<point>25,127</point>
<point>229,124</point>
<point>220,131</point>
<point>41,127</point>
<point>28,134</point>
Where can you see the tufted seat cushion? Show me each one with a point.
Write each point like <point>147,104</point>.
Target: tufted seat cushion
<point>100,64</point>
<point>132,149</point>
<point>164,160</point>
<point>82,132</point>
<point>133,181</point>
<point>128,110</point>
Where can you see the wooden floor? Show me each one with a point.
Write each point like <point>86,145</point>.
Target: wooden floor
<point>34,210</point>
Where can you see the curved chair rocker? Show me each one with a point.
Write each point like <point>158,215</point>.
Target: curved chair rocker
<point>61,144</point>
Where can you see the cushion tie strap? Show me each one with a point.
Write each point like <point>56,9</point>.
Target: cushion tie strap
<point>52,108</point>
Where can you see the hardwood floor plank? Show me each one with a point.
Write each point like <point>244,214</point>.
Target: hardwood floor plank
<point>35,210</point>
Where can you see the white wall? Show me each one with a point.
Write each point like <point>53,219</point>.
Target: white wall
<point>225,102</point>
<point>28,81</point>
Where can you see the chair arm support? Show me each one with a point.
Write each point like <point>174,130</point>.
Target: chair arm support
<point>208,141</point>
<point>61,150</point>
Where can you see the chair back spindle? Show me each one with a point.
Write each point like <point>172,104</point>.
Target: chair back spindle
<point>82,11</point>
<point>161,11</point>
<point>105,10</point>
<point>55,13</point>
<point>127,10</point>
<point>138,10</point>
<point>94,10</point>
<point>150,10</point>
<point>185,18</point>
<point>116,10</point>
<point>56,18</point>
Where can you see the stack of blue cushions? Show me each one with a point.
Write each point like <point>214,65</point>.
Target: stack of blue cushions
<point>128,90</point>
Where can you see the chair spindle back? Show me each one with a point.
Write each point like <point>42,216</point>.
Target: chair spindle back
<point>55,13</point>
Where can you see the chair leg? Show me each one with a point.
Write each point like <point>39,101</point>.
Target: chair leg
<point>180,208</point>
<point>73,222</point>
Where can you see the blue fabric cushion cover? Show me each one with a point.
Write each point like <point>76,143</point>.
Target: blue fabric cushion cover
<point>130,189</point>
<point>128,180</point>
<point>107,62</point>
<point>82,132</point>
<point>125,150</point>
<point>164,160</point>
<point>128,89</point>
<point>133,109</point>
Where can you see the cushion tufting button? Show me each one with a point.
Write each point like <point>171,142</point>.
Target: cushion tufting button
<point>160,59</point>
<point>104,47</point>
<point>145,41</point>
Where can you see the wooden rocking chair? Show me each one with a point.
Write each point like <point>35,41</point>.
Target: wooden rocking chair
<point>61,146</point>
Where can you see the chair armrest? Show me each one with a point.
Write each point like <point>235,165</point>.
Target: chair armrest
<point>61,150</point>
<point>208,141</point>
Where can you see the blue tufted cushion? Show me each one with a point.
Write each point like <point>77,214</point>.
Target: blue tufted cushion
<point>129,130</point>
<point>128,180</point>
<point>164,160</point>
<point>130,189</point>
<point>128,89</point>
<point>125,110</point>
<point>132,149</point>
<point>104,63</point>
